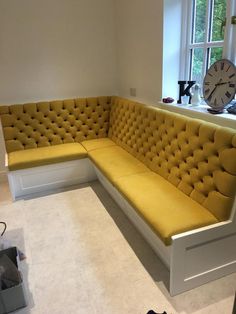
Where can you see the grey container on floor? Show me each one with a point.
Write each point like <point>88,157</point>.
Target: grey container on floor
<point>13,298</point>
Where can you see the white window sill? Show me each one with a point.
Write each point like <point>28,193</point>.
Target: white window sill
<point>200,112</point>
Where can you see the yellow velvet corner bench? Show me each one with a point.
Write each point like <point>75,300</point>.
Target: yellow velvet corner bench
<point>43,142</point>
<point>34,132</point>
<point>175,177</point>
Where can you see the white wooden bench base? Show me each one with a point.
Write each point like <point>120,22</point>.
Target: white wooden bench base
<point>202,255</point>
<point>38,179</point>
<point>158,246</point>
<point>193,258</point>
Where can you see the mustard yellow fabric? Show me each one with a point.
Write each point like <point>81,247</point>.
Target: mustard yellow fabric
<point>97,143</point>
<point>197,157</point>
<point>115,162</point>
<point>163,206</point>
<point>44,124</point>
<point>45,155</point>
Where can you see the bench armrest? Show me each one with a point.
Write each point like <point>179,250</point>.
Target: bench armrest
<point>202,255</point>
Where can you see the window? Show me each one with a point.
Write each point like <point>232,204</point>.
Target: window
<point>207,36</point>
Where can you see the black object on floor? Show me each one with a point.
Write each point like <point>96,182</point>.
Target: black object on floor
<point>12,298</point>
<point>234,309</point>
<point>152,312</point>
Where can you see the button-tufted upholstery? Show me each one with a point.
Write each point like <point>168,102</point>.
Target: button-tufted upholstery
<point>199,158</point>
<point>149,155</point>
<point>51,123</point>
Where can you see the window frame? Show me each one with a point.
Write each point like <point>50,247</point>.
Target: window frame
<point>229,43</point>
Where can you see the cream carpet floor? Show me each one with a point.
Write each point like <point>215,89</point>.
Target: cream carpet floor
<point>84,256</point>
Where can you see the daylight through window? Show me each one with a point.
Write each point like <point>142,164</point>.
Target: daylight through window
<point>207,35</point>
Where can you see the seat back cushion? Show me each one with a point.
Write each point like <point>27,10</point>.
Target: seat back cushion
<point>43,124</point>
<point>199,158</point>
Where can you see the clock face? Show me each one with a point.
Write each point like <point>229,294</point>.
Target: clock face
<point>219,85</point>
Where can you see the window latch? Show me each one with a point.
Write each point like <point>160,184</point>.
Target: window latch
<point>222,26</point>
<point>233,20</point>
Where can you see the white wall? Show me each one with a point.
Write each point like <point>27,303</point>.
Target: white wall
<point>139,25</point>
<point>171,47</point>
<point>55,49</point>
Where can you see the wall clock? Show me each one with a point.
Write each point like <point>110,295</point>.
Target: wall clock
<point>219,85</point>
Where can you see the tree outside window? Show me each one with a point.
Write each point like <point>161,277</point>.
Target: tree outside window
<point>208,23</point>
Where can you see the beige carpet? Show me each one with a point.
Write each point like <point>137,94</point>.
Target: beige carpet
<point>84,256</point>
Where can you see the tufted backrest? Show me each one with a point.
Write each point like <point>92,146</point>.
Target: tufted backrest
<point>197,157</point>
<point>50,123</point>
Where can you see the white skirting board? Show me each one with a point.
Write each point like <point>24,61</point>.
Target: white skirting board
<point>195,257</point>
<point>38,179</point>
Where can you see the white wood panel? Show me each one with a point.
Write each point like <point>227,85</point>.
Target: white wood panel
<point>38,179</point>
<point>158,246</point>
<point>194,258</point>
<point>202,255</point>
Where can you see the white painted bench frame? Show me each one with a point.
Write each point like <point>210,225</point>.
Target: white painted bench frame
<point>43,178</point>
<point>194,257</point>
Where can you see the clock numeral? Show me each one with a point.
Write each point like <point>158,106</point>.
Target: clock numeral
<point>222,66</point>
<point>215,67</point>
<point>222,100</point>
<point>207,90</point>
<point>206,83</point>
<point>209,74</point>
<point>227,94</point>
<point>231,85</point>
<point>215,103</point>
<point>209,98</point>
<point>232,75</point>
<point>228,68</point>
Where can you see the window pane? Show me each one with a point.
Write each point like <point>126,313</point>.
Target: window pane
<point>200,20</point>
<point>215,54</point>
<point>219,20</point>
<point>197,64</point>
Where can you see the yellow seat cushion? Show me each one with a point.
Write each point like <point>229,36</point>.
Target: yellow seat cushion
<point>45,155</point>
<point>97,143</point>
<point>115,162</point>
<point>163,206</point>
